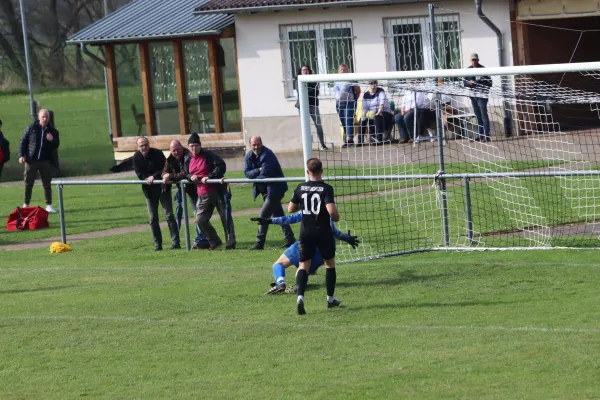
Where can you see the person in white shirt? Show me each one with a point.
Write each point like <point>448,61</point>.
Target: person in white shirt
<point>405,120</point>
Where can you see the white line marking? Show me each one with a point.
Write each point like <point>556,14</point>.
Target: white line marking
<point>304,326</point>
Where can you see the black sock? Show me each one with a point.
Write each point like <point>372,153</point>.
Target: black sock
<point>301,281</point>
<point>330,278</point>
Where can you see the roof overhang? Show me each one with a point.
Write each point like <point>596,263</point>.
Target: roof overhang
<point>298,7</point>
<point>144,38</point>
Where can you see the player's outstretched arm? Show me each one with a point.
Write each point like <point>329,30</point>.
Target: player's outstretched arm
<point>285,220</point>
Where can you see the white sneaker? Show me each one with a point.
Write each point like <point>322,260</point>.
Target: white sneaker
<point>25,205</point>
<point>50,209</point>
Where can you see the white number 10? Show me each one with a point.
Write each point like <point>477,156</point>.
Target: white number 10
<point>315,204</point>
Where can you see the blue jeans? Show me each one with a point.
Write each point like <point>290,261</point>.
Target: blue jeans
<point>480,110</point>
<point>179,211</point>
<point>346,111</point>
<point>401,124</point>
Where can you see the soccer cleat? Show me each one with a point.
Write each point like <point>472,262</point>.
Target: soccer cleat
<point>300,308</point>
<point>50,209</point>
<point>276,289</point>
<point>334,303</point>
<point>292,289</point>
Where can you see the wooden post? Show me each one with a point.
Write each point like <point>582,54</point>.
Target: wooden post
<point>237,72</point>
<point>182,104</point>
<point>147,90</point>
<point>113,90</point>
<point>217,87</point>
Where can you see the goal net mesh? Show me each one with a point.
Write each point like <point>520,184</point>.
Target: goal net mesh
<point>519,137</point>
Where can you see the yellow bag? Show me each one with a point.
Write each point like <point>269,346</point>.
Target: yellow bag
<point>58,247</point>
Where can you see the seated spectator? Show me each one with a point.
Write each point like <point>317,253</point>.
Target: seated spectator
<point>376,114</point>
<point>405,120</point>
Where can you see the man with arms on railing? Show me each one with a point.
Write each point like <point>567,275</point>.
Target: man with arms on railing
<point>148,164</point>
<point>174,172</point>
<point>262,163</point>
<point>201,166</point>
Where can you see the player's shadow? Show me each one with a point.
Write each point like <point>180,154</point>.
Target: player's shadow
<point>407,276</point>
<point>41,289</point>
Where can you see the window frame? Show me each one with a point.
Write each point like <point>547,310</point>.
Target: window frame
<point>425,33</point>
<point>321,52</point>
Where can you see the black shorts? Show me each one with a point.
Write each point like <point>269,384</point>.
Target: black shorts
<point>311,241</point>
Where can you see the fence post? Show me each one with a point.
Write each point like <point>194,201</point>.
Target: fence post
<point>61,210</point>
<point>185,216</point>
<point>468,210</point>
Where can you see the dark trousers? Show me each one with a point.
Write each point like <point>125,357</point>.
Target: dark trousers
<point>272,208</point>
<point>1,168</point>
<point>315,115</point>
<point>154,195</point>
<point>377,127</point>
<point>204,210</point>
<point>424,118</point>
<point>46,172</point>
<point>480,111</point>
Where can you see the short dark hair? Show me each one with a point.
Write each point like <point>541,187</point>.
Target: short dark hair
<point>314,165</point>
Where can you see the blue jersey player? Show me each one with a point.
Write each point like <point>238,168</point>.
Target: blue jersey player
<point>291,256</point>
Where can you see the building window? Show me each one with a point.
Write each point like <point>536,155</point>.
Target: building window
<point>409,47</point>
<point>322,46</point>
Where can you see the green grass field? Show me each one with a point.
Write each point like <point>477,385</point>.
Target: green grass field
<point>114,320</point>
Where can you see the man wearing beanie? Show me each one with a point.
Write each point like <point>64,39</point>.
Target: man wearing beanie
<point>201,166</point>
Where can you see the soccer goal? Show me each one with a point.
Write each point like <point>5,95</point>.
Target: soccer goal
<point>482,158</point>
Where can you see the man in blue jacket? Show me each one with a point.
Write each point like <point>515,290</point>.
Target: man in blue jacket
<point>262,163</point>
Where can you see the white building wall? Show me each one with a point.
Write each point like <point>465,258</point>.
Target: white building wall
<point>261,70</point>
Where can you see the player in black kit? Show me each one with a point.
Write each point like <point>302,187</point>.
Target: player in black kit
<point>316,200</point>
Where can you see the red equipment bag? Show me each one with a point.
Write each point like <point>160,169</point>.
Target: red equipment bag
<point>31,218</point>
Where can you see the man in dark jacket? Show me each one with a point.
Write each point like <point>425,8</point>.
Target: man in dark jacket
<point>148,164</point>
<point>261,163</point>
<point>174,172</point>
<point>4,150</point>
<point>199,167</point>
<point>37,150</point>
<point>483,85</point>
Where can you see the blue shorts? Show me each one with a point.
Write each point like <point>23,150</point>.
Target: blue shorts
<point>293,254</point>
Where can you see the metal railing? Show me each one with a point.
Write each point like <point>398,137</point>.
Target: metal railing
<point>465,177</point>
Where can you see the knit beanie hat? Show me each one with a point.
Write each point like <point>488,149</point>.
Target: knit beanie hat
<point>194,139</point>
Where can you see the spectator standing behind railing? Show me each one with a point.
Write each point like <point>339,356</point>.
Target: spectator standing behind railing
<point>37,150</point>
<point>148,164</point>
<point>174,171</point>
<point>204,165</point>
<point>4,150</point>
<point>313,104</point>
<point>346,96</point>
<point>262,163</point>
<point>482,84</point>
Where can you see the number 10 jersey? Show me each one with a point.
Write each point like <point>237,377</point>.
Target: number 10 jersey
<point>313,197</point>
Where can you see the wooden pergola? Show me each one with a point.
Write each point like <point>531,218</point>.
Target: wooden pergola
<point>144,23</point>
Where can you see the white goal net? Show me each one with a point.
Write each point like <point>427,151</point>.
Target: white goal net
<point>460,159</point>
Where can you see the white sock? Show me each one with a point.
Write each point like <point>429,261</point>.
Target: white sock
<point>280,281</point>
<point>300,299</point>
<point>330,299</point>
